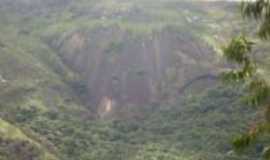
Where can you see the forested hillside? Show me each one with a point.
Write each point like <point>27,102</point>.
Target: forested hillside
<point>118,79</point>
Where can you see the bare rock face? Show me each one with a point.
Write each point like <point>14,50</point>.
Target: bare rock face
<point>122,69</point>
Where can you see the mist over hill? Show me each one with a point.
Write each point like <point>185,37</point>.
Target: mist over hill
<point>117,79</point>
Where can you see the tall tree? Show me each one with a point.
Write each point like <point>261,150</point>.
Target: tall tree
<point>240,51</point>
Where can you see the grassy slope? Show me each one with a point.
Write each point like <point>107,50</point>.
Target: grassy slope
<point>13,134</point>
<point>42,108</point>
<point>33,78</point>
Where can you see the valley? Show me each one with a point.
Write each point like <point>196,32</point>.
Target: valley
<point>118,80</point>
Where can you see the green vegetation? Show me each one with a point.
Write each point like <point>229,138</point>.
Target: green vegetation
<point>196,127</point>
<point>44,108</point>
<point>253,71</point>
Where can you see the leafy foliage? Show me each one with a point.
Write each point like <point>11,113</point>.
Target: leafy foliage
<point>240,51</point>
<point>259,10</point>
